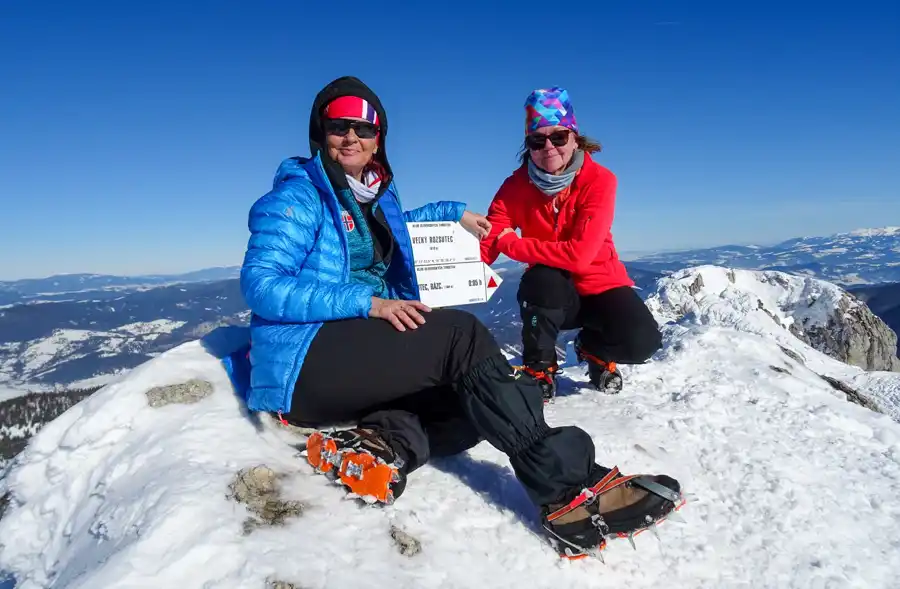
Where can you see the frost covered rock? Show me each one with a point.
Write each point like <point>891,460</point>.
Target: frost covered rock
<point>184,393</point>
<point>778,304</point>
<point>274,584</point>
<point>258,488</point>
<point>407,545</point>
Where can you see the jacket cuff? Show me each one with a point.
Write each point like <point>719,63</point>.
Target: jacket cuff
<point>460,211</point>
<point>505,242</point>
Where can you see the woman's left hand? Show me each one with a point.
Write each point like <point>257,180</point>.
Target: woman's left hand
<point>476,224</point>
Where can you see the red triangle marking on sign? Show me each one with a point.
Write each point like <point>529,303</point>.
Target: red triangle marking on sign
<point>492,283</point>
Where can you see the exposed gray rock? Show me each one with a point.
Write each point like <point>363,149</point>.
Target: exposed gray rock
<point>407,545</point>
<point>771,315</point>
<point>854,335</point>
<point>779,369</point>
<point>853,395</point>
<point>257,488</point>
<point>793,355</point>
<point>4,504</point>
<point>697,285</point>
<point>275,584</point>
<point>191,391</point>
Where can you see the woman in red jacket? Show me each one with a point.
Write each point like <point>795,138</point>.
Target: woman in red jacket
<point>564,202</point>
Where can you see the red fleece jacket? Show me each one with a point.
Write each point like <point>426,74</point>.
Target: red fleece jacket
<point>577,239</point>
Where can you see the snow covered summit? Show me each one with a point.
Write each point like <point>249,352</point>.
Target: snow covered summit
<point>795,486</point>
<point>781,306</point>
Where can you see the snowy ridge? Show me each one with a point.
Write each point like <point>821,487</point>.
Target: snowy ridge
<point>780,306</point>
<point>767,303</point>
<point>795,487</point>
<point>882,232</point>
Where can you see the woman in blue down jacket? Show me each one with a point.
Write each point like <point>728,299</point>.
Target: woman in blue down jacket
<point>337,335</point>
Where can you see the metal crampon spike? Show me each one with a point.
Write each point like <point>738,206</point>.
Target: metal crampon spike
<point>676,517</point>
<point>355,471</point>
<point>631,540</point>
<point>655,531</point>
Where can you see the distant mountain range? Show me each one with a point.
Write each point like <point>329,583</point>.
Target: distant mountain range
<point>867,256</point>
<point>66,331</point>
<point>69,343</point>
<point>52,343</point>
<point>81,287</point>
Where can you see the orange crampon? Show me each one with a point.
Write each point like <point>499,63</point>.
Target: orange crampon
<point>355,467</point>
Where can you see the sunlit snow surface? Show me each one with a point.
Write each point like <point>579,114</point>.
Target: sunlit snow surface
<point>795,487</point>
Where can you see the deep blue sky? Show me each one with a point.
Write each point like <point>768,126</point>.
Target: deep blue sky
<point>135,135</point>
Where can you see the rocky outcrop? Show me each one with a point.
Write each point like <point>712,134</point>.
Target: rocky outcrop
<point>184,393</point>
<point>854,335</point>
<point>258,488</point>
<point>853,395</point>
<point>818,313</point>
<point>406,544</point>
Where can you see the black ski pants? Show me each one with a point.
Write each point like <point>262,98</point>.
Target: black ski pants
<point>438,390</point>
<point>615,325</point>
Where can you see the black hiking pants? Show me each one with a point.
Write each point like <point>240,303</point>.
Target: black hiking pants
<point>436,391</point>
<point>615,325</point>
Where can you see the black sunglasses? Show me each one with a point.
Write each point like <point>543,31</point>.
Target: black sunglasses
<point>340,127</point>
<point>537,141</point>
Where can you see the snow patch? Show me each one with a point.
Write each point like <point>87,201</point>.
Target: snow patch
<point>97,381</point>
<point>883,387</point>
<point>39,353</point>
<point>882,232</point>
<point>115,493</point>
<point>828,251</point>
<point>9,393</point>
<point>156,327</point>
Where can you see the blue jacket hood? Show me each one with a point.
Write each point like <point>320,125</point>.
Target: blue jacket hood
<point>303,169</point>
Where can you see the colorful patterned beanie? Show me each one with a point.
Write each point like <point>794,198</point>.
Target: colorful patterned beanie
<point>547,107</point>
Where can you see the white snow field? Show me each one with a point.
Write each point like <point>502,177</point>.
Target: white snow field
<point>794,485</point>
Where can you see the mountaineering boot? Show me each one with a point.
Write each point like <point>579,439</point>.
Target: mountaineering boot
<point>616,505</point>
<point>361,460</point>
<point>605,376</point>
<point>545,373</point>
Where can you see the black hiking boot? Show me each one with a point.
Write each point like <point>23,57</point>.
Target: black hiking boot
<point>605,376</point>
<point>545,373</point>
<point>616,506</point>
<point>361,460</point>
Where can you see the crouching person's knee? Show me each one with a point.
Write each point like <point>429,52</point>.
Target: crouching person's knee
<point>468,333</point>
<point>644,341</point>
<point>550,288</point>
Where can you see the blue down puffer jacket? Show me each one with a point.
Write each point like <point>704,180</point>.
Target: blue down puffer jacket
<point>296,275</point>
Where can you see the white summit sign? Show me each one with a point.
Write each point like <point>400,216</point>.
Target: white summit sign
<point>448,265</point>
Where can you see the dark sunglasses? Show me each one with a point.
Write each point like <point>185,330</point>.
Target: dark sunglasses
<point>340,127</point>
<point>537,141</point>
